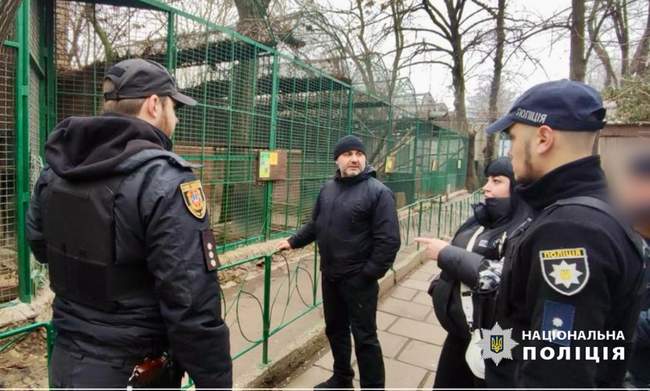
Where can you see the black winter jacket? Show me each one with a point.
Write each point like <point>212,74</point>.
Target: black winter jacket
<point>574,269</point>
<point>152,226</point>
<point>459,265</point>
<point>640,361</point>
<point>354,222</point>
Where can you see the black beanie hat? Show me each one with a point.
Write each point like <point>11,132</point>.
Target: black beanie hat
<point>501,166</point>
<point>348,143</point>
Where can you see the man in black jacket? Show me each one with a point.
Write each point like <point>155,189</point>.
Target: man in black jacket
<point>355,225</point>
<point>634,195</point>
<point>572,275</point>
<point>122,223</point>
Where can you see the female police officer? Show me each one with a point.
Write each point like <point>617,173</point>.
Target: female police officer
<point>477,245</point>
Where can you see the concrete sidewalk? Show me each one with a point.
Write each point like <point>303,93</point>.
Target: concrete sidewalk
<point>410,335</point>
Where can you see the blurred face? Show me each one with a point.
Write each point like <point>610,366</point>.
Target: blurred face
<point>497,187</point>
<point>634,198</point>
<point>521,138</point>
<point>351,163</point>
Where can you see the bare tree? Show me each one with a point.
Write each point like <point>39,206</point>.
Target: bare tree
<point>459,31</point>
<point>354,39</point>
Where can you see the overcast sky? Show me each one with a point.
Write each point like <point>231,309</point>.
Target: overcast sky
<point>521,75</point>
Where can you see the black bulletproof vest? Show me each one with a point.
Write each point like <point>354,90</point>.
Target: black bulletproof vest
<point>79,230</point>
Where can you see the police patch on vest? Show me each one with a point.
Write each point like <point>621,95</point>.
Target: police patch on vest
<point>194,198</point>
<point>565,269</point>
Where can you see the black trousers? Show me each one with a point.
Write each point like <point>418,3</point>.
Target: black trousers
<point>354,307</point>
<point>72,369</point>
<point>453,371</point>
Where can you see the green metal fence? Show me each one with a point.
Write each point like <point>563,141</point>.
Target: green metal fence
<point>252,98</point>
<point>293,292</point>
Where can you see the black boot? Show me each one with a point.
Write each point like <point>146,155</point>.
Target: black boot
<point>335,382</point>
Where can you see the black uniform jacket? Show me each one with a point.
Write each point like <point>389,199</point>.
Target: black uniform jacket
<point>498,217</point>
<point>152,226</point>
<point>355,225</point>
<point>573,269</point>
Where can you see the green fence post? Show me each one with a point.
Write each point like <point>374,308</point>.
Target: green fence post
<point>419,223</point>
<point>451,217</point>
<point>408,225</point>
<point>439,217</point>
<point>266,315</point>
<point>50,73</point>
<point>430,214</point>
<point>350,111</point>
<point>171,41</point>
<point>268,186</point>
<point>414,169</point>
<point>315,290</point>
<point>22,151</point>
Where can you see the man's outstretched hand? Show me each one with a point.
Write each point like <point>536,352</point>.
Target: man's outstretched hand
<point>284,245</point>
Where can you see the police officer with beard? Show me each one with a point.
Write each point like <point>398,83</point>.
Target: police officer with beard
<point>355,225</point>
<point>575,267</point>
<point>122,223</point>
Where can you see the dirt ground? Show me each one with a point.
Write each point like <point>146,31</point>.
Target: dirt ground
<point>24,364</point>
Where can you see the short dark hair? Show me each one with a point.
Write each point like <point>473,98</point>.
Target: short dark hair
<point>123,106</point>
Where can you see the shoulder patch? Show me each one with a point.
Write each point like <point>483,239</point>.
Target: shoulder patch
<point>558,317</point>
<point>194,198</point>
<point>566,270</point>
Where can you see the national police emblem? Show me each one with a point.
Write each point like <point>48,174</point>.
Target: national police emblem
<point>497,344</point>
<point>194,198</point>
<point>566,270</point>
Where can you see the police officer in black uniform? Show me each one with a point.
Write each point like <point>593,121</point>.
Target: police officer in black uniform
<point>122,223</point>
<point>575,267</point>
<point>355,225</point>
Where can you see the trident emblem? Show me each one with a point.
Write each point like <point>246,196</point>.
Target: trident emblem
<point>496,343</point>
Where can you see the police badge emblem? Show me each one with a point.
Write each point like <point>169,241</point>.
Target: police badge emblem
<point>497,344</point>
<point>194,198</point>
<point>566,270</point>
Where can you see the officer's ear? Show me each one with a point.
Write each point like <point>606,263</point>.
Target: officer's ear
<point>544,139</point>
<point>152,107</point>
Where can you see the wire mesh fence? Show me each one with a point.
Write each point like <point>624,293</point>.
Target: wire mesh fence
<point>8,264</point>
<point>252,99</point>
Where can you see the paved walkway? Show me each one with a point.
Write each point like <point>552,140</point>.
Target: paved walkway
<point>410,335</point>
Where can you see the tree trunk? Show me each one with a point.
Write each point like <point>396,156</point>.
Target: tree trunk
<point>640,60</point>
<point>7,18</point>
<point>495,86</point>
<point>251,19</point>
<point>578,64</point>
<point>622,34</point>
<point>593,29</point>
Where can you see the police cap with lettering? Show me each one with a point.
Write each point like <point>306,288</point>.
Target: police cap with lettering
<point>561,105</point>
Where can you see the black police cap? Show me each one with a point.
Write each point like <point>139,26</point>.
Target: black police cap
<point>560,104</point>
<point>138,78</point>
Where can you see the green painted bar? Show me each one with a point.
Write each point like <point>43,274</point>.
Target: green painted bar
<point>25,289</point>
